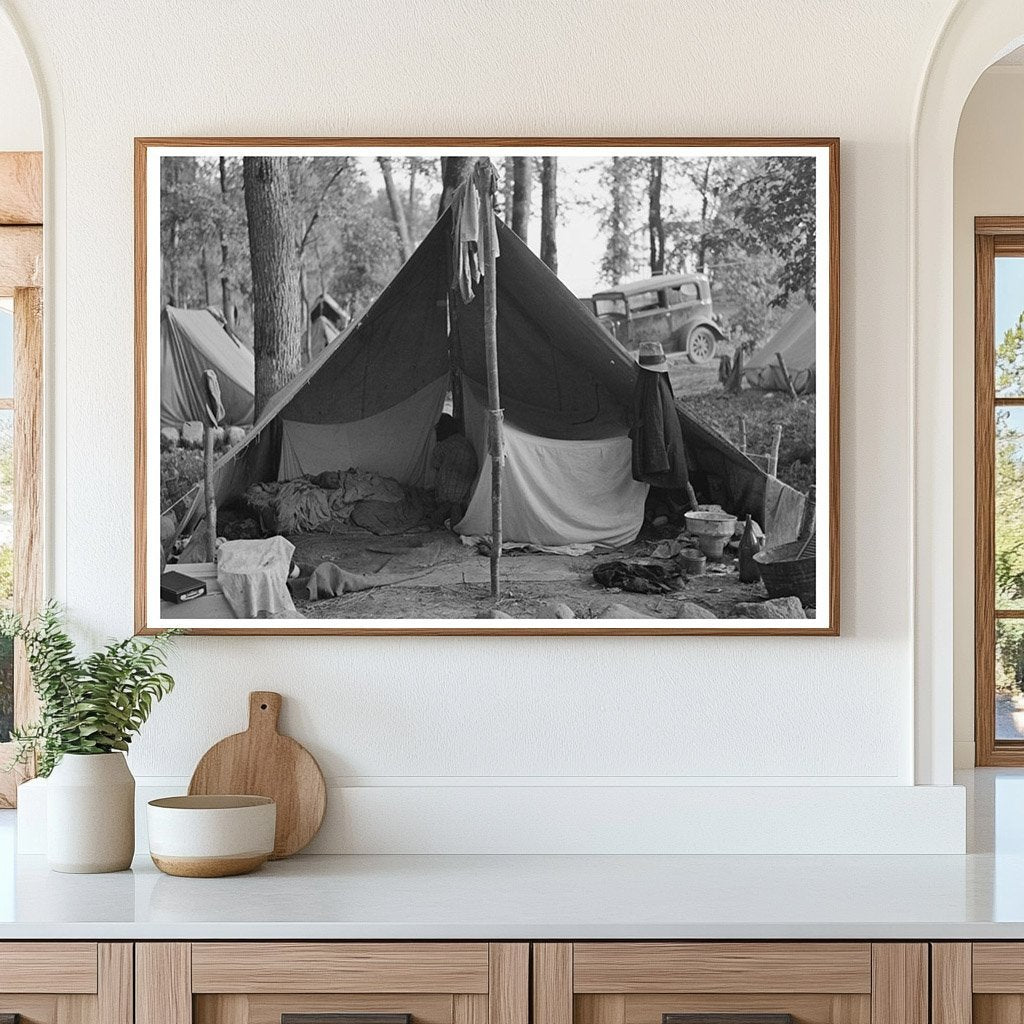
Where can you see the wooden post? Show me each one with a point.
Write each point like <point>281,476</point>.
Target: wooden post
<point>214,414</point>
<point>773,459</point>
<point>743,434</point>
<point>495,440</point>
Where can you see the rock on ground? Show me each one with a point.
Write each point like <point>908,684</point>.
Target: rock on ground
<point>690,610</point>
<point>233,435</point>
<point>555,611</point>
<point>495,613</point>
<point>169,437</point>
<point>623,611</point>
<point>776,608</point>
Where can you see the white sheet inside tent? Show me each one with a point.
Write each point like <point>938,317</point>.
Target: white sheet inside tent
<point>555,492</point>
<point>397,442</point>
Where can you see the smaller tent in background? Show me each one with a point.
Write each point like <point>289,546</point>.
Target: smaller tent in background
<point>327,320</point>
<point>191,342</point>
<point>795,340</point>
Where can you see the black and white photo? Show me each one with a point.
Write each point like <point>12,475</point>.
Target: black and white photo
<point>463,387</point>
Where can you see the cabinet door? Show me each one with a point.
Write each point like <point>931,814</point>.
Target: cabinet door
<point>65,983</point>
<point>981,982</point>
<point>332,983</point>
<point>730,983</point>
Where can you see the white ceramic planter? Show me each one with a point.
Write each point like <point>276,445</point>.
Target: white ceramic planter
<point>90,814</point>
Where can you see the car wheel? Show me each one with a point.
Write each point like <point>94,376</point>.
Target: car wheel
<point>701,345</point>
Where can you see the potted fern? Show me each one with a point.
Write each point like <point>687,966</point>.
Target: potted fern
<point>90,708</point>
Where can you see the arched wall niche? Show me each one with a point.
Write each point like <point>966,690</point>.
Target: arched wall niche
<point>976,34</point>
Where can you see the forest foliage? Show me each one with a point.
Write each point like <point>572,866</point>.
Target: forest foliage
<point>747,222</point>
<point>1009,500</point>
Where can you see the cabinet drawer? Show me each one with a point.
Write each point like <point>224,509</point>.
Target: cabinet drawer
<point>730,983</point>
<point>635,967</point>
<point>332,983</point>
<point>66,982</point>
<point>340,967</point>
<point>64,967</point>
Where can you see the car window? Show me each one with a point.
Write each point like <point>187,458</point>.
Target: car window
<point>689,292</point>
<point>614,307</point>
<point>643,300</point>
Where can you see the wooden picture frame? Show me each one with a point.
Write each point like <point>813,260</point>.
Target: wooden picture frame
<point>149,617</point>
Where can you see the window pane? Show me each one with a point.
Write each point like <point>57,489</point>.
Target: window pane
<point>6,566</point>
<point>1009,320</point>
<point>6,353</point>
<point>1009,532</point>
<point>1009,679</point>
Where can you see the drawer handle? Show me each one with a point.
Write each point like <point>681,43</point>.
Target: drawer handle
<point>339,1018</point>
<point>727,1018</point>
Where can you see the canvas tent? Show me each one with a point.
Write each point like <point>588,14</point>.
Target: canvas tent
<point>191,342</point>
<point>795,340</point>
<point>371,398</point>
<point>326,321</point>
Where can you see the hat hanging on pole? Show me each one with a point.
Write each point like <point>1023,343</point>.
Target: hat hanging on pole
<point>651,356</point>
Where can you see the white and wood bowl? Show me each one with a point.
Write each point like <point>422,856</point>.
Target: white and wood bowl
<point>211,836</point>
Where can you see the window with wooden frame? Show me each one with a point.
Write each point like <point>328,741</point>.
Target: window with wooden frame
<point>21,366</point>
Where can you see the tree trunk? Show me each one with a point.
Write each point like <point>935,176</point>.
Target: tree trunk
<point>655,225</point>
<point>277,331</point>
<point>172,261</point>
<point>227,304</point>
<point>410,213</point>
<point>702,245</point>
<point>522,186</point>
<point>549,211</point>
<point>508,173</point>
<point>454,171</point>
<point>397,210</point>
<point>204,269</point>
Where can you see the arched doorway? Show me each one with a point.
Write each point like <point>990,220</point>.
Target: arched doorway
<point>976,34</point>
<point>21,346</point>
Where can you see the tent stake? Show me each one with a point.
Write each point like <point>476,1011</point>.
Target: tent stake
<point>495,443</point>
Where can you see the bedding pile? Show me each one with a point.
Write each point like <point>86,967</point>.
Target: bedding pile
<point>333,499</point>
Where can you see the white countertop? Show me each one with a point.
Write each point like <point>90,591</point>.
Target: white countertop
<point>977,896</point>
<point>516,897</point>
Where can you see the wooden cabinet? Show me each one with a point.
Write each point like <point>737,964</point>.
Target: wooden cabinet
<point>307,982</point>
<point>66,982</point>
<point>512,983</point>
<point>752,982</point>
<point>978,983</point>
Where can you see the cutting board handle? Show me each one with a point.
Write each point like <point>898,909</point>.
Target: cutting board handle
<point>264,710</point>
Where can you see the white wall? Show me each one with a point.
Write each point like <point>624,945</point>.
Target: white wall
<point>21,126</point>
<point>987,181</point>
<point>425,715</point>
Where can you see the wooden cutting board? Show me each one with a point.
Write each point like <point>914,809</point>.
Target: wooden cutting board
<point>262,762</point>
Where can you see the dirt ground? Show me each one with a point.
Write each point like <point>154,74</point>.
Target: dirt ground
<point>445,579</point>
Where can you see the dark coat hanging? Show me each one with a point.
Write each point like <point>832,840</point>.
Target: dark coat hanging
<point>659,455</point>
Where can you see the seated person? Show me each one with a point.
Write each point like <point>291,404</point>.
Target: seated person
<point>456,467</point>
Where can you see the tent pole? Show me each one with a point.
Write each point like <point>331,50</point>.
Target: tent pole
<point>495,443</point>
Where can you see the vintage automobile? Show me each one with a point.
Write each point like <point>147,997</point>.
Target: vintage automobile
<point>674,309</point>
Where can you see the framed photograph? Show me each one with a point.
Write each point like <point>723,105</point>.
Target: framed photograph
<point>461,386</point>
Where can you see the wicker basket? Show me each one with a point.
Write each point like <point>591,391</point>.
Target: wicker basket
<point>790,570</point>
